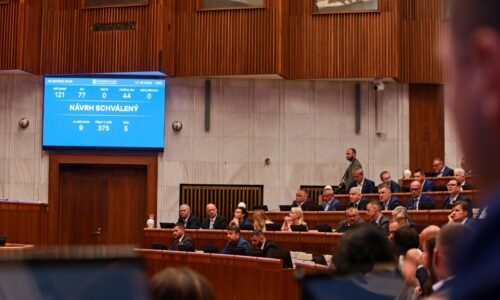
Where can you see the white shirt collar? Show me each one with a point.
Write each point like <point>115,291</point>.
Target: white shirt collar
<point>440,283</point>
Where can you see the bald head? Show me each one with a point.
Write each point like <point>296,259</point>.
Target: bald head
<point>184,211</point>
<point>211,210</point>
<point>431,230</point>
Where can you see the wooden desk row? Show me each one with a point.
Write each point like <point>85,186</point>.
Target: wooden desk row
<point>438,181</point>
<point>232,276</point>
<point>310,242</point>
<point>313,218</point>
<point>438,197</point>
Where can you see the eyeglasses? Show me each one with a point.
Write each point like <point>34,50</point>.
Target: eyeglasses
<point>386,178</point>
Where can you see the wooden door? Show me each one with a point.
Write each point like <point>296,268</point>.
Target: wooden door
<point>102,204</point>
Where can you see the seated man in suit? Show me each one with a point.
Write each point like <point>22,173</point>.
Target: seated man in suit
<point>454,190</point>
<point>385,176</point>
<point>302,201</point>
<point>366,185</point>
<point>460,177</point>
<point>460,214</point>
<point>258,241</point>
<point>234,239</point>
<point>213,220</point>
<point>388,201</point>
<point>186,218</point>
<point>180,237</point>
<point>417,198</point>
<point>377,218</point>
<point>440,169</point>
<point>351,220</point>
<point>328,199</point>
<point>451,238</point>
<point>355,199</point>
<point>427,185</point>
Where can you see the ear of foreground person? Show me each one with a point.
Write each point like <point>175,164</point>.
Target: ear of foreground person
<point>474,57</point>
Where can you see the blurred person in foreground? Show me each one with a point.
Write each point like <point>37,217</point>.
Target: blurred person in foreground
<point>180,284</point>
<point>475,93</point>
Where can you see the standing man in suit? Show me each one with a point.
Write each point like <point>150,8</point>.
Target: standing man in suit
<point>347,179</point>
<point>234,239</point>
<point>387,200</point>
<point>259,241</point>
<point>329,202</point>
<point>385,176</point>
<point>440,169</point>
<point>377,218</point>
<point>355,199</point>
<point>180,237</point>
<point>454,190</point>
<point>474,55</point>
<point>213,220</point>
<point>417,198</point>
<point>186,218</point>
<point>302,201</point>
<point>427,185</point>
<point>366,185</point>
<point>351,220</point>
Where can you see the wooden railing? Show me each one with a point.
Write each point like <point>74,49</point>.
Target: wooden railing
<point>231,276</point>
<point>24,223</point>
<point>310,242</point>
<point>225,197</point>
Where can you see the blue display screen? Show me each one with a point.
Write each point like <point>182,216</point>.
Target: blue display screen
<point>104,112</point>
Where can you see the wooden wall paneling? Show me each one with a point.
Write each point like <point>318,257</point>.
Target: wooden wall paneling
<point>272,276</point>
<point>9,37</point>
<point>70,44</point>
<point>226,42</point>
<point>246,273</point>
<point>20,33</point>
<point>422,29</point>
<point>346,45</point>
<point>201,263</point>
<point>426,125</point>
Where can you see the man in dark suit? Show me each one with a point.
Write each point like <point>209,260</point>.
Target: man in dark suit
<point>450,240</point>
<point>454,190</point>
<point>387,200</point>
<point>386,179</point>
<point>186,218</point>
<point>367,186</point>
<point>213,220</point>
<point>302,201</point>
<point>417,199</point>
<point>352,219</point>
<point>180,238</point>
<point>356,200</point>
<point>475,64</point>
<point>460,177</point>
<point>235,240</point>
<point>427,185</point>
<point>329,202</point>
<point>440,169</point>
<point>459,214</point>
<point>347,179</point>
<point>377,218</point>
<point>259,241</point>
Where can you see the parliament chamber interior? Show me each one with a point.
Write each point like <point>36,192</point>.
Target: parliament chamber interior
<point>122,120</point>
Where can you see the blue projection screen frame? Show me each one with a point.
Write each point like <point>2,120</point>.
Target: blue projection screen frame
<point>104,113</point>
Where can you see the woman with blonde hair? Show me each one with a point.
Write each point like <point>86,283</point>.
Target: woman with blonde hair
<point>260,219</point>
<point>295,217</point>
